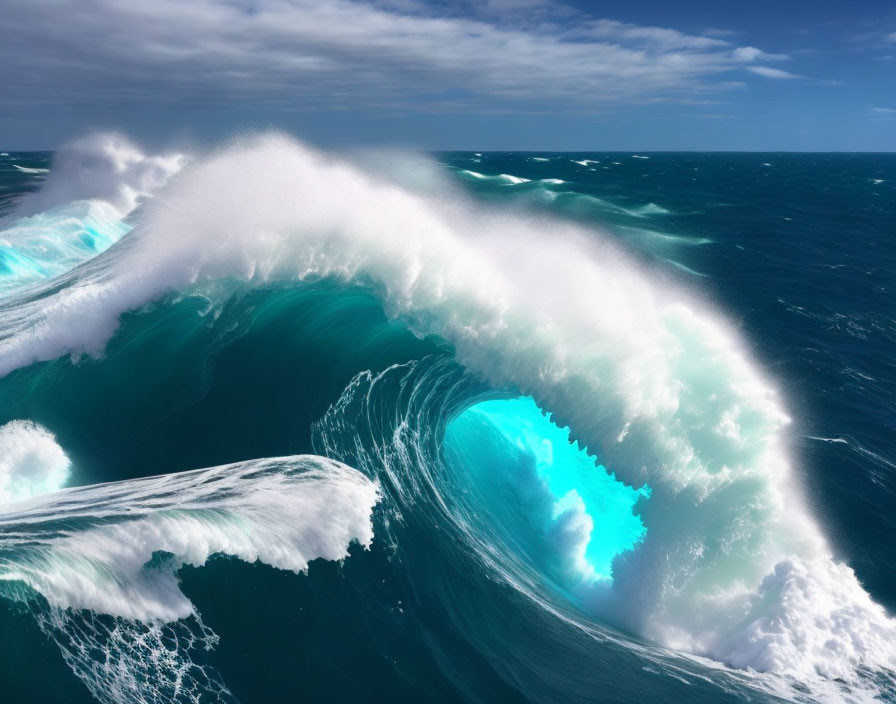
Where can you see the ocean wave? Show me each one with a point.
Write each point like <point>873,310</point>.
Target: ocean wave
<point>28,170</point>
<point>95,183</point>
<point>656,385</point>
<point>505,179</point>
<point>31,461</point>
<point>568,202</point>
<point>649,209</point>
<point>543,192</point>
<point>98,565</point>
<point>283,512</point>
<point>663,239</point>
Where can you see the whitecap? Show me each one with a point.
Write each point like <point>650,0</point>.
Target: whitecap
<point>513,180</point>
<point>104,560</point>
<point>31,461</point>
<point>28,170</point>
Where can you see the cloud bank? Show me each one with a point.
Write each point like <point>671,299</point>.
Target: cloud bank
<point>335,54</point>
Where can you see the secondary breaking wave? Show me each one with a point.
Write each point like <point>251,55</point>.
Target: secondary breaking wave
<point>95,183</point>
<point>98,565</point>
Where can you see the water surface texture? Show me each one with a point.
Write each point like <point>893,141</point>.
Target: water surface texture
<point>280,425</point>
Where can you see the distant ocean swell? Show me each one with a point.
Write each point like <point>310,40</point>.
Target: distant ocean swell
<point>695,537</point>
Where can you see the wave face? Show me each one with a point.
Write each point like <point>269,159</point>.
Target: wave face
<point>562,435</point>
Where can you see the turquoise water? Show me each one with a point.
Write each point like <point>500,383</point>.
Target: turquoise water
<point>569,473</point>
<point>611,429</point>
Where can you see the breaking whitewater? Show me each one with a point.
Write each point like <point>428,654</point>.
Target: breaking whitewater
<point>490,425</point>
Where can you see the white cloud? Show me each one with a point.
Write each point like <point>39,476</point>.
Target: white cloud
<point>656,36</point>
<point>891,37</point>
<point>747,53</point>
<point>769,72</point>
<point>751,53</point>
<point>331,54</point>
<point>883,111</point>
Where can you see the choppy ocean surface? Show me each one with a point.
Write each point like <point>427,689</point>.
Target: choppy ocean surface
<point>280,425</point>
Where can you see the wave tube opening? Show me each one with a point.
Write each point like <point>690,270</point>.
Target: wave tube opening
<point>575,507</point>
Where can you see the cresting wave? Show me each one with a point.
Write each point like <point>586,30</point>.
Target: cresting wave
<point>546,192</point>
<point>81,208</point>
<point>31,461</point>
<point>98,564</point>
<point>650,381</point>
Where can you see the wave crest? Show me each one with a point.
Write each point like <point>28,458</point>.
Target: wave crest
<point>80,210</point>
<point>31,461</point>
<point>98,565</point>
<point>650,380</point>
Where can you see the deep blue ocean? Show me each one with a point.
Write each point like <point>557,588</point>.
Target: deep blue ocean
<point>281,425</point>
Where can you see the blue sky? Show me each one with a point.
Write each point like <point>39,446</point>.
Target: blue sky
<point>469,74</point>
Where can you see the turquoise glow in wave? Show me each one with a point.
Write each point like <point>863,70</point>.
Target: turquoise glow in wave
<point>49,244</point>
<point>568,472</point>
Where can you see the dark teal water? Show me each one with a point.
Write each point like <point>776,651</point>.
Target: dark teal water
<point>798,251</point>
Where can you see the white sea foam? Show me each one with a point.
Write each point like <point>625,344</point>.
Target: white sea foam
<point>102,167</point>
<point>29,170</point>
<point>507,179</point>
<point>88,548</point>
<point>104,560</point>
<point>510,178</point>
<point>95,183</point>
<point>31,461</point>
<point>654,383</point>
